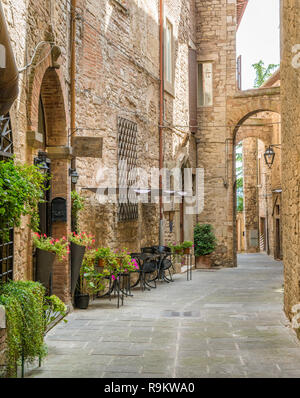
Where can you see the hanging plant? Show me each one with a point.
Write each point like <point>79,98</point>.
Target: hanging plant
<point>22,188</point>
<point>28,315</point>
<point>23,302</point>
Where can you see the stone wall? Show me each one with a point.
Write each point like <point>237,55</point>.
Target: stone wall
<point>290,113</point>
<point>125,84</point>
<point>30,24</point>
<point>216,42</point>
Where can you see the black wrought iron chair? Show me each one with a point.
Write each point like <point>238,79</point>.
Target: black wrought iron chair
<point>165,263</point>
<point>147,266</point>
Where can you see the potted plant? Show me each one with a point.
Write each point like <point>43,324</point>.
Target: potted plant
<point>101,256</point>
<point>46,250</point>
<point>79,243</point>
<point>186,246</point>
<point>176,248</point>
<point>205,243</point>
<point>91,281</point>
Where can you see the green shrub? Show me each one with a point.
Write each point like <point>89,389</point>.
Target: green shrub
<point>204,240</point>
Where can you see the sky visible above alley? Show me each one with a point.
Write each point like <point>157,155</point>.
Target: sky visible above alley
<point>258,37</point>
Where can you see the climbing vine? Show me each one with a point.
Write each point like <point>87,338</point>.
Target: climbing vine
<point>21,190</point>
<point>78,202</point>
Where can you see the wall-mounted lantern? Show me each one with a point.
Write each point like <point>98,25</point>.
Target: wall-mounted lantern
<point>269,156</point>
<point>41,162</point>
<point>74,176</point>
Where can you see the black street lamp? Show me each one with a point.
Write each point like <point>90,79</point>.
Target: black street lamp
<point>269,156</point>
<point>74,176</point>
<point>41,162</point>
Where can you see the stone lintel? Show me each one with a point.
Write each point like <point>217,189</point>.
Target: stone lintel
<point>258,92</point>
<point>2,317</point>
<point>60,152</point>
<point>35,139</point>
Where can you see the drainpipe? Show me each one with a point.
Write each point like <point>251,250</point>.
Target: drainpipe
<point>9,74</point>
<point>73,77</point>
<point>161,120</point>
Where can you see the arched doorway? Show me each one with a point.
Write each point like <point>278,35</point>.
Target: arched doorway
<point>49,124</point>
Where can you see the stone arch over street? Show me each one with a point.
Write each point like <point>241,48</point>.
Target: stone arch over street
<point>250,119</point>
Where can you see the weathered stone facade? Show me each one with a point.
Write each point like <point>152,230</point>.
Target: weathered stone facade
<point>290,80</point>
<point>216,42</point>
<point>117,75</point>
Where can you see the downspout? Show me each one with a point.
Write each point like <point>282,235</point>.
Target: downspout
<point>161,121</point>
<point>9,74</point>
<point>73,78</point>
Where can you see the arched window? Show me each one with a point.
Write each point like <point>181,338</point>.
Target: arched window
<point>6,249</point>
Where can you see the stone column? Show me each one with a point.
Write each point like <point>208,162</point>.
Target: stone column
<point>61,187</point>
<point>250,194</point>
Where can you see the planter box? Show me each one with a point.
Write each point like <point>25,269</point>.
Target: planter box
<point>44,268</point>
<point>77,254</point>
<point>204,261</point>
<point>187,251</point>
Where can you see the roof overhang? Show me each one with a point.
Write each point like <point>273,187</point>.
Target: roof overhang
<point>241,7</point>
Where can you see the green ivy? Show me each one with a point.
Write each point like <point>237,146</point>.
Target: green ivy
<point>22,188</point>
<point>78,203</point>
<point>24,306</point>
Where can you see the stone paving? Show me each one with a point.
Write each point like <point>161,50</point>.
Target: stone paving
<point>224,323</point>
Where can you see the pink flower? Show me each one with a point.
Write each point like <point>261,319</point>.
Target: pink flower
<point>113,277</point>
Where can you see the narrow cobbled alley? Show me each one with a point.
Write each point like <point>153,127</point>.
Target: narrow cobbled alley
<point>224,323</point>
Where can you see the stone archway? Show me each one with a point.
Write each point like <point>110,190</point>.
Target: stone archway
<point>240,108</point>
<point>46,86</point>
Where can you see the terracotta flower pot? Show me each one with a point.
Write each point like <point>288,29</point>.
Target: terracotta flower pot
<point>44,268</point>
<point>204,261</point>
<point>77,254</point>
<point>100,265</point>
<point>187,250</point>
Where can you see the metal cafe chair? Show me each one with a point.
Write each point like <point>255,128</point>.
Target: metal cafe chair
<point>165,263</point>
<point>147,266</point>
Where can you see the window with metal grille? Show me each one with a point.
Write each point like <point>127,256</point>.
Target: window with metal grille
<point>127,161</point>
<point>6,248</point>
